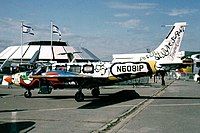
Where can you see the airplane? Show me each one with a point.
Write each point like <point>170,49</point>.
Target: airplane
<point>123,67</point>
<point>87,75</point>
<point>166,56</point>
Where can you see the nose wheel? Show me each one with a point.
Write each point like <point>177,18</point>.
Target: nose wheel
<point>27,94</point>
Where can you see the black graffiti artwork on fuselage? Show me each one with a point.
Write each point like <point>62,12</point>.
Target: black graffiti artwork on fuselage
<point>167,49</point>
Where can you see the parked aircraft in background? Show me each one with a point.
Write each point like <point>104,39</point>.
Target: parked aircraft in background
<point>166,55</point>
<point>123,67</point>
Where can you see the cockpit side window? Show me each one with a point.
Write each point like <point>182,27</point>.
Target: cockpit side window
<point>75,68</point>
<point>88,68</point>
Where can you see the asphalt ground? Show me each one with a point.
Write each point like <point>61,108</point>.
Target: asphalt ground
<point>154,108</point>
<point>175,110</point>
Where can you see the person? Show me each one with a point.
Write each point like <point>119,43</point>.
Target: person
<point>198,78</point>
<point>155,77</point>
<point>162,74</point>
<point>9,86</point>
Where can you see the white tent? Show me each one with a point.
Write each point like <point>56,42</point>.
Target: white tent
<point>58,51</point>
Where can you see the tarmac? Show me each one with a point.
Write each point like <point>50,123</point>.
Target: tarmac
<point>141,109</point>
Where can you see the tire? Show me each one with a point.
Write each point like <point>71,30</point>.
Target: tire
<point>95,92</point>
<point>27,94</point>
<point>79,96</point>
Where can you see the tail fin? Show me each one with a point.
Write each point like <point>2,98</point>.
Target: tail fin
<point>170,46</point>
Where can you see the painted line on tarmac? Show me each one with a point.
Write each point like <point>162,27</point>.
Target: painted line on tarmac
<point>15,111</point>
<point>55,109</point>
<point>15,119</point>
<point>72,108</point>
<point>172,105</point>
<point>117,123</point>
<point>58,109</point>
<point>13,116</point>
<point>10,95</point>
<point>119,106</point>
<point>44,110</point>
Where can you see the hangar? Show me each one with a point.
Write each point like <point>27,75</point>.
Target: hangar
<point>44,51</point>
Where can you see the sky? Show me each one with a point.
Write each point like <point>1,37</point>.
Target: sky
<point>105,27</point>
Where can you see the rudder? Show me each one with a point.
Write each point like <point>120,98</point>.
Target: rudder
<point>170,46</point>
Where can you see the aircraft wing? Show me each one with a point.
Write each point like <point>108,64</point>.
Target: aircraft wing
<point>54,78</point>
<point>60,74</point>
<point>169,66</point>
<point>65,77</point>
<point>174,64</point>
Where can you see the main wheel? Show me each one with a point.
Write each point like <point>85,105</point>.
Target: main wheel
<point>79,96</point>
<point>95,92</point>
<point>27,94</point>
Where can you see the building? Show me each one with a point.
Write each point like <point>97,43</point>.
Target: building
<point>44,51</point>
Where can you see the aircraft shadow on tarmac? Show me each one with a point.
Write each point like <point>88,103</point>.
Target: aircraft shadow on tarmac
<point>12,110</point>
<point>102,100</point>
<point>1,95</point>
<point>16,127</point>
<point>110,99</point>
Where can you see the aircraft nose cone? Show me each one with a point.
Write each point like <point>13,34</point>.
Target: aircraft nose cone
<point>8,79</point>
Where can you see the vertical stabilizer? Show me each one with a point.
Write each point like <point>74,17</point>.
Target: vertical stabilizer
<point>170,46</point>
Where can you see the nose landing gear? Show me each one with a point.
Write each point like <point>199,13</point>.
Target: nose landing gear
<point>27,94</point>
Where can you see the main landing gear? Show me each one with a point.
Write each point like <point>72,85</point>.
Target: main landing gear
<point>95,92</point>
<point>27,94</point>
<point>79,96</point>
